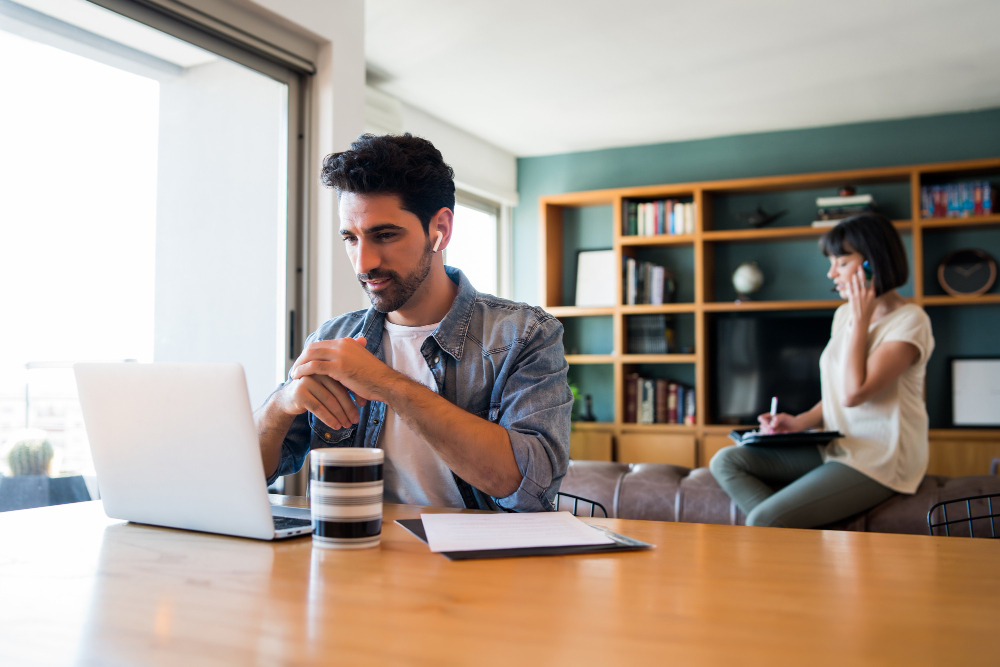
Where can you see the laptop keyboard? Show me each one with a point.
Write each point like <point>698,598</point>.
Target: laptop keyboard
<point>283,522</point>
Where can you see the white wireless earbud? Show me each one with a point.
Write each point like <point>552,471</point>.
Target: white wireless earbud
<point>437,244</point>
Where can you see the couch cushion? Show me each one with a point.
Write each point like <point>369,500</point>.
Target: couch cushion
<point>702,500</point>
<point>662,492</point>
<point>652,491</point>
<point>649,491</point>
<point>593,480</point>
<point>908,514</point>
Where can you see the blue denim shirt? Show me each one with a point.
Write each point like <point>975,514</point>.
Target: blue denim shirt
<point>497,359</point>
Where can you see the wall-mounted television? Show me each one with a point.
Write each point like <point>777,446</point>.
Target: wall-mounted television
<point>755,356</point>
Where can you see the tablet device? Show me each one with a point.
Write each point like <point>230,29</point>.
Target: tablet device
<point>784,439</point>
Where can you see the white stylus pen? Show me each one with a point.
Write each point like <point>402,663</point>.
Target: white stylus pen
<point>774,406</point>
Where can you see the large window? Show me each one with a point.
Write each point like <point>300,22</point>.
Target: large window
<point>148,210</point>
<point>476,241</point>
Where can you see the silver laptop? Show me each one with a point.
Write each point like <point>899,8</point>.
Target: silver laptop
<point>175,445</point>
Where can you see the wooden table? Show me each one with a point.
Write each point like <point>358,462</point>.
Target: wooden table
<point>77,587</point>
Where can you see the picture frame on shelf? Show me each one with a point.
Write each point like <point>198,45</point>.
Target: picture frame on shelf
<point>595,278</point>
<point>975,392</point>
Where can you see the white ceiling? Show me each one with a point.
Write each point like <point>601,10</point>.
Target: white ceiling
<point>538,77</point>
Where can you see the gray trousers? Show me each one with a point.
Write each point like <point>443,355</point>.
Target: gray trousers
<point>792,487</point>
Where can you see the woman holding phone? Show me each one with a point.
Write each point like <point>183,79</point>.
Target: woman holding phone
<point>872,390</point>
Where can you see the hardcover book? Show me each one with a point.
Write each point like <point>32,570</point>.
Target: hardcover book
<point>672,403</point>
<point>631,397</point>
<point>852,200</point>
<point>662,392</point>
<point>689,411</point>
<point>647,405</point>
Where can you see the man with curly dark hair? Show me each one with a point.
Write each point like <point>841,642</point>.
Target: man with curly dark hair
<point>465,392</point>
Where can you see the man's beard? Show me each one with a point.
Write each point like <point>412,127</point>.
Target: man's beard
<point>400,289</point>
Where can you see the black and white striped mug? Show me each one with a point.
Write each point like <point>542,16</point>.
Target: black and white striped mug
<point>346,497</point>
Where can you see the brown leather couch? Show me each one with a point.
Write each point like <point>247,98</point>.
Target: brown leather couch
<point>661,492</point>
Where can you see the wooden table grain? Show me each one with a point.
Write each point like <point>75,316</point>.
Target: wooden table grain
<point>79,588</point>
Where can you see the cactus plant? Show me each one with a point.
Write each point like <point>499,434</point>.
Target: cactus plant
<point>30,457</point>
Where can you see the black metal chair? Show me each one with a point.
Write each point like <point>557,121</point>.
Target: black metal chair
<point>984,502</point>
<point>576,503</point>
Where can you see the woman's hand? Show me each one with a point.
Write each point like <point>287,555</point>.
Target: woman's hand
<point>779,423</point>
<point>861,296</point>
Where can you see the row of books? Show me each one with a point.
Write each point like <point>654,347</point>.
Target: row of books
<point>650,334</point>
<point>831,210</point>
<point>665,216</point>
<point>658,401</point>
<point>647,283</point>
<point>958,200</point>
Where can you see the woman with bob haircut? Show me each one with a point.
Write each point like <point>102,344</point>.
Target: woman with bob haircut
<point>872,390</point>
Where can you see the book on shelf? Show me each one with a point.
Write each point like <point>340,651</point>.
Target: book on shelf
<point>831,210</point>
<point>658,401</point>
<point>631,397</point>
<point>647,401</point>
<point>647,283</point>
<point>649,334</point>
<point>659,217</point>
<point>833,221</point>
<point>957,200</point>
<point>672,402</point>
<point>662,405</point>
<point>841,212</point>
<point>657,283</point>
<point>630,281</point>
<point>684,224</point>
<point>848,200</point>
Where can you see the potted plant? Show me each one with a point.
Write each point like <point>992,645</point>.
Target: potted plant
<point>29,457</point>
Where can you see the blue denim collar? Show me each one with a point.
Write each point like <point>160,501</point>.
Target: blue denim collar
<point>450,334</point>
<point>452,331</point>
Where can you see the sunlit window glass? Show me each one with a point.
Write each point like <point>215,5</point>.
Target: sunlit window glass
<point>473,247</point>
<point>143,192</point>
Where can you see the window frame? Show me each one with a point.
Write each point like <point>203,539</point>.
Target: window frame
<point>291,63</point>
<point>503,238</point>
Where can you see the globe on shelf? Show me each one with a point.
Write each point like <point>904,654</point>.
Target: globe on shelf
<point>747,279</point>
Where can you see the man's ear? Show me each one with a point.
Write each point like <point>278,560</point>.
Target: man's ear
<point>440,228</point>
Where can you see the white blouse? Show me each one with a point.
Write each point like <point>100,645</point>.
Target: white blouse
<point>886,436</point>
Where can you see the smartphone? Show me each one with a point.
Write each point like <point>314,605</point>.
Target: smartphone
<point>867,268</point>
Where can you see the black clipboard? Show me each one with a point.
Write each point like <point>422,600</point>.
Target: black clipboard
<point>784,439</point>
<point>416,528</point>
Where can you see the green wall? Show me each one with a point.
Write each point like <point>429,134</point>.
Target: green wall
<point>882,144</point>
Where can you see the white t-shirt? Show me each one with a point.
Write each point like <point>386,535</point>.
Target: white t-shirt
<point>886,436</point>
<point>413,472</point>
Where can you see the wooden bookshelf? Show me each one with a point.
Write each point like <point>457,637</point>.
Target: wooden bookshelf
<point>694,445</point>
<point>666,308</point>
<point>660,239</point>
<point>735,306</point>
<point>590,358</point>
<point>782,233</point>
<point>961,223</point>
<point>659,358</point>
<point>948,300</point>
<point>572,311</point>
<point>658,428</point>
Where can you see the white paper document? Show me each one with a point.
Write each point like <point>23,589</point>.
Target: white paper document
<point>478,532</point>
